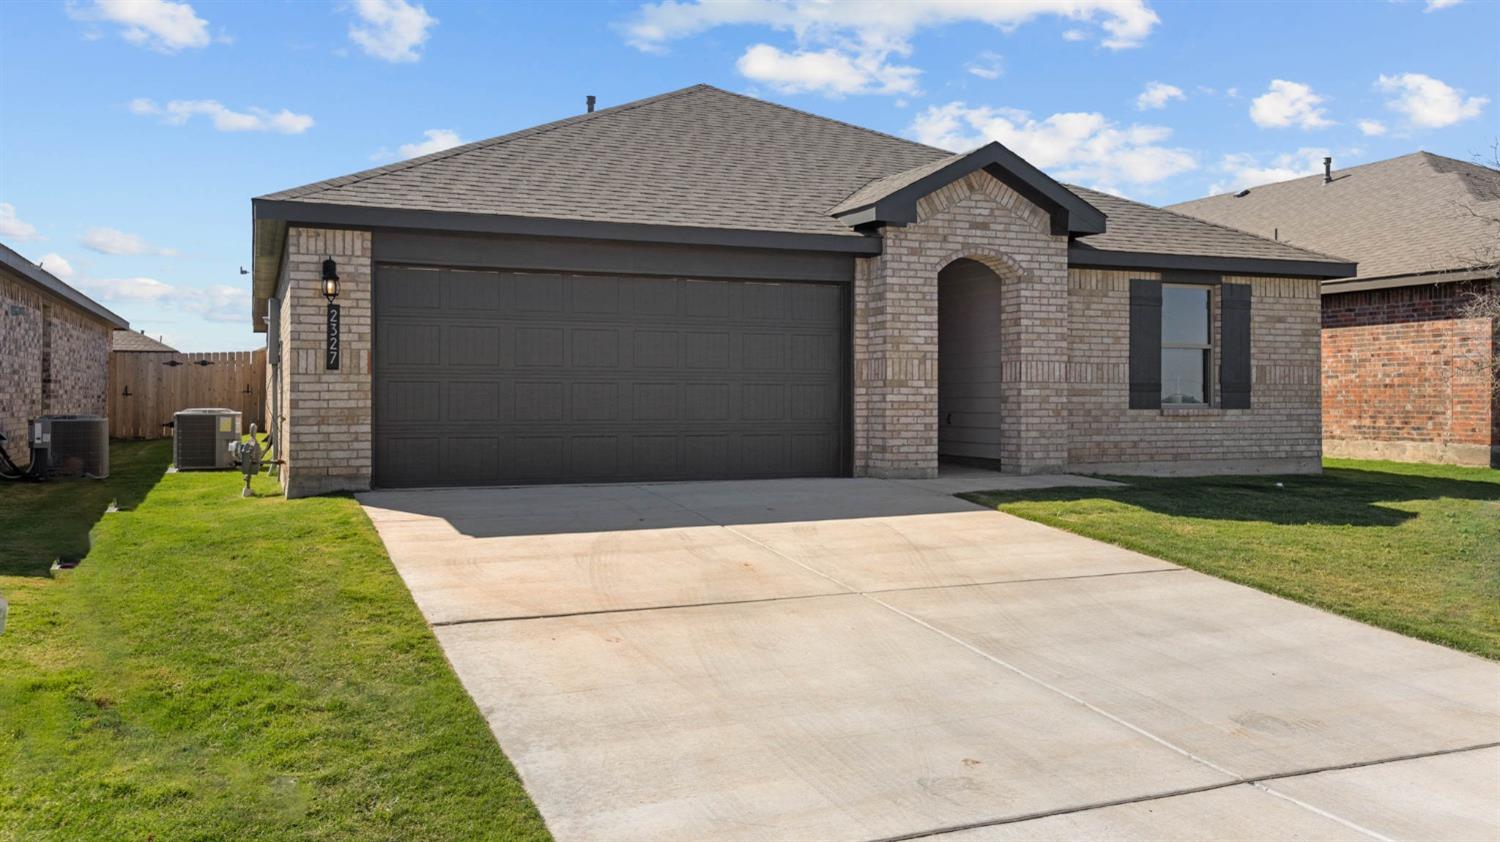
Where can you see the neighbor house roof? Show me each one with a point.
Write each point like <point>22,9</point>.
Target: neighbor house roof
<point>128,341</point>
<point>1405,217</point>
<point>12,260</point>
<point>708,166</point>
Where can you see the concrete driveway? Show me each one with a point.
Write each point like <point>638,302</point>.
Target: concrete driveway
<point>864,659</point>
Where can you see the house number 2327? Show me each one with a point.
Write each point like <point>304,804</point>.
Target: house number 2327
<point>335,351</point>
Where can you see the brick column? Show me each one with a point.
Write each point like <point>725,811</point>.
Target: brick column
<point>326,431</point>
<point>896,339</point>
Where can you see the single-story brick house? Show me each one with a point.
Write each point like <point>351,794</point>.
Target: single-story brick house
<point>54,349</point>
<point>1406,374</point>
<point>706,285</point>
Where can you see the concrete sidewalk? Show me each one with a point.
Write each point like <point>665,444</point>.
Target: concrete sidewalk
<point>860,659</point>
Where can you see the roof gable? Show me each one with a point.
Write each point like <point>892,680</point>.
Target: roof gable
<point>893,198</point>
<point>1415,214</point>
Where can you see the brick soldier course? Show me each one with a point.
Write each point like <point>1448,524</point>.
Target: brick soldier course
<point>696,187</point>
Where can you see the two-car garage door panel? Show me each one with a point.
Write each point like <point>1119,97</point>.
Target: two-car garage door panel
<point>512,377</point>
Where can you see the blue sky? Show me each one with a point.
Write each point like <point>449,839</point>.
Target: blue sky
<point>133,133</point>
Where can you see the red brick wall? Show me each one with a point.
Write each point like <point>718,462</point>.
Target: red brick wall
<point>1392,384</point>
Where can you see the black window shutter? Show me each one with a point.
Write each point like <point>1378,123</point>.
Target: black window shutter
<point>1145,344</point>
<point>1234,346</point>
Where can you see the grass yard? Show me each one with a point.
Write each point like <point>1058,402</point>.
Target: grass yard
<point>226,668</point>
<point>1412,548</point>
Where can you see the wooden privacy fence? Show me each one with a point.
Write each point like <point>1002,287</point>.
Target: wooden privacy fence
<point>147,388</point>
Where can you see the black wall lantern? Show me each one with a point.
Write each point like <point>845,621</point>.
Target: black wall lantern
<point>330,280</point>
<point>330,292</point>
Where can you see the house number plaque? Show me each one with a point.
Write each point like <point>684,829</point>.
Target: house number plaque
<point>335,351</point>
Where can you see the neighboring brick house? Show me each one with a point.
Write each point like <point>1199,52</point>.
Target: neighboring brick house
<point>702,285</point>
<point>54,349</point>
<point>1405,375</point>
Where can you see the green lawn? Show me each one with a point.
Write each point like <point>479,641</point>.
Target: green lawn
<point>1412,548</point>
<point>226,668</point>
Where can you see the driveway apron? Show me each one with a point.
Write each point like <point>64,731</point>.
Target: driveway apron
<point>863,659</point>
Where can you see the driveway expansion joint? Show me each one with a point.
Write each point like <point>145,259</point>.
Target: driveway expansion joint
<point>753,601</point>
<point>1252,781</point>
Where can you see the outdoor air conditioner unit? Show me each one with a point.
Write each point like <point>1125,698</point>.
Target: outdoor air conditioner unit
<point>201,438</point>
<point>73,445</point>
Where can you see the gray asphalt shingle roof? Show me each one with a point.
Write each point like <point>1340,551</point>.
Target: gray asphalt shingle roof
<point>127,341</point>
<point>1413,214</point>
<point>708,158</point>
<point>698,157</point>
<point>1137,227</point>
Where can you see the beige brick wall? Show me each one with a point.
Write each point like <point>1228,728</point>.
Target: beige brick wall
<point>20,361</point>
<point>1280,432</point>
<point>1065,343</point>
<point>54,359</point>
<point>325,425</point>
<point>78,363</point>
<point>895,342</point>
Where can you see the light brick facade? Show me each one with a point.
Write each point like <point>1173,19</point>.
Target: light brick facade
<point>1064,382</point>
<point>895,329</point>
<point>1405,377</point>
<point>1279,433</point>
<point>54,359</point>
<point>323,433</point>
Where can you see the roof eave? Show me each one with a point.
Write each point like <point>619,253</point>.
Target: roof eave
<point>1083,256</point>
<point>1071,215</point>
<point>13,260</point>
<point>273,216</point>
<point>1335,286</point>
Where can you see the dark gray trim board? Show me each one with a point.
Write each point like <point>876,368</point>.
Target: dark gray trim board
<point>552,254</point>
<point>1083,257</point>
<point>46,280</point>
<point>1338,285</point>
<point>318,213</point>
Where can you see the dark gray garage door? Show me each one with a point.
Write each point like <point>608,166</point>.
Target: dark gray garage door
<point>519,377</point>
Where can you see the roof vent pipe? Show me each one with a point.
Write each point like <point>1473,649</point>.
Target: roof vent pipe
<point>1327,170</point>
<point>590,100</point>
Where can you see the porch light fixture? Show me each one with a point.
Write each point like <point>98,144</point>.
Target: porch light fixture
<point>330,280</point>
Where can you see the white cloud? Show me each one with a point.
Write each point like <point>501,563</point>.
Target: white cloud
<point>1157,95</point>
<point>987,65</point>
<point>56,264</point>
<point>1075,146</point>
<point>1372,128</point>
<point>13,227</point>
<point>437,140</point>
<point>1429,103</point>
<point>848,47</point>
<point>1245,170</point>
<point>179,111</point>
<point>391,30</point>
<point>1288,104</point>
<point>1434,5</point>
<point>829,71</point>
<point>1075,35</point>
<point>113,241</point>
<point>161,25</point>
<point>217,303</point>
